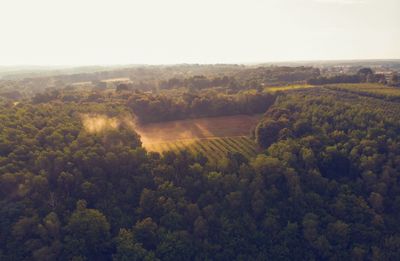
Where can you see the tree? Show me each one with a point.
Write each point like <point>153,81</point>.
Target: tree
<point>122,87</point>
<point>267,132</point>
<point>145,231</point>
<point>366,74</point>
<point>176,246</point>
<point>310,227</point>
<point>376,201</point>
<point>87,233</point>
<point>129,250</point>
<point>394,81</point>
<point>200,227</point>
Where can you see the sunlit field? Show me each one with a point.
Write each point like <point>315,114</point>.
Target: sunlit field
<point>214,137</point>
<point>214,149</point>
<point>287,88</point>
<point>369,89</point>
<point>200,130</point>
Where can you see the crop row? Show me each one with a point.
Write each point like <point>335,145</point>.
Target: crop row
<point>212,148</point>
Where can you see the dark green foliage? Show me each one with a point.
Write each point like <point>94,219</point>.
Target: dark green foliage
<point>326,187</point>
<point>87,233</point>
<point>155,108</point>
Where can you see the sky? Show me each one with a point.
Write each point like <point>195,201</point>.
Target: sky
<point>106,32</point>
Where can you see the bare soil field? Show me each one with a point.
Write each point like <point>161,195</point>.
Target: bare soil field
<point>203,128</point>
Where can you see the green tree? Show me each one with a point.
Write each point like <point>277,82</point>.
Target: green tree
<point>87,233</point>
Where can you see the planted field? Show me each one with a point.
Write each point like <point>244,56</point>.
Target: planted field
<point>213,137</point>
<point>227,126</point>
<point>213,148</point>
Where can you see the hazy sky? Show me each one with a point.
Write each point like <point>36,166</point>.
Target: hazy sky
<point>82,32</point>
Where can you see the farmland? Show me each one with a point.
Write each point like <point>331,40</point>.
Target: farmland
<point>287,87</point>
<point>369,89</point>
<point>213,137</point>
<point>213,148</point>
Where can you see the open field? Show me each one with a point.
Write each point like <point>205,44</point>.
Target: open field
<point>81,83</point>
<point>121,79</point>
<point>287,88</point>
<point>213,148</point>
<point>226,126</point>
<point>369,89</point>
<point>213,137</point>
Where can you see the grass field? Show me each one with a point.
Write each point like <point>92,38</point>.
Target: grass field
<point>122,79</point>
<point>213,137</point>
<point>287,88</point>
<point>369,89</point>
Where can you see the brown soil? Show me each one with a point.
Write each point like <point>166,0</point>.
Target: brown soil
<point>227,126</point>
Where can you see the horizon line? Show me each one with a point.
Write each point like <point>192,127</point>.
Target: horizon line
<point>197,63</point>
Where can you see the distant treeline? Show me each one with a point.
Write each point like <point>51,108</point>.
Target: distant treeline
<point>149,78</point>
<point>198,82</point>
<point>250,78</point>
<point>363,75</point>
<point>278,75</point>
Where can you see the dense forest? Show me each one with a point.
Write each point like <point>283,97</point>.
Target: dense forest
<point>323,187</point>
<point>155,108</point>
<point>77,184</point>
<point>135,130</point>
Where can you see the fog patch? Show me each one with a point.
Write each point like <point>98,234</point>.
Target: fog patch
<point>95,123</point>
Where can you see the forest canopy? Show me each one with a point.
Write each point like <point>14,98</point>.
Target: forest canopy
<point>321,182</point>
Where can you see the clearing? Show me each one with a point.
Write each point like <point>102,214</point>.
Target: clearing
<point>214,137</point>
<point>287,87</point>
